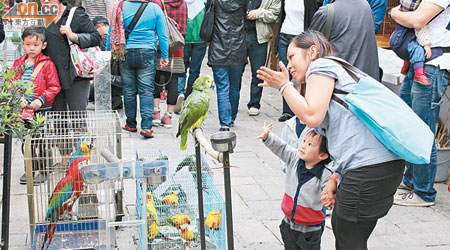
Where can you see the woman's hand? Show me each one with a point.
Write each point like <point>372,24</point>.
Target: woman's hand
<point>274,79</point>
<point>163,62</point>
<point>66,30</point>
<point>265,130</point>
<point>251,15</point>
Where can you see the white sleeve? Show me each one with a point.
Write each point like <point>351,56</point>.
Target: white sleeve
<point>423,36</point>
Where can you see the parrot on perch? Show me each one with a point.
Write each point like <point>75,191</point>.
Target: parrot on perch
<point>178,220</point>
<point>151,210</point>
<point>213,220</point>
<point>68,189</point>
<point>65,194</point>
<point>195,109</point>
<point>187,234</point>
<point>170,199</point>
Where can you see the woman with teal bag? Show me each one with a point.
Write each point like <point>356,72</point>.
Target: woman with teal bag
<point>366,171</point>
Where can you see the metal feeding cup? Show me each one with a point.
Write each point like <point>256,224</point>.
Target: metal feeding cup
<point>223,141</point>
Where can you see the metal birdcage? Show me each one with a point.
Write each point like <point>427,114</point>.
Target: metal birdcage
<point>66,139</point>
<point>166,204</point>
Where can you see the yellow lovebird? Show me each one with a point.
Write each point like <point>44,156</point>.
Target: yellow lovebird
<point>153,230</point>
<point>213,219</point>
<point>170,199</point>
<point>178,220</point>
<point>151,210</point>
<point>187,234</point>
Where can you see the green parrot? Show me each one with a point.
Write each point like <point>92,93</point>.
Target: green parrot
<point>195,108</point>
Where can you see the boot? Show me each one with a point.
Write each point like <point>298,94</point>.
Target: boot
<point>405,68</point>
<point>420,77</point>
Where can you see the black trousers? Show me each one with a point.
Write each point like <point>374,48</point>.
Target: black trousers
<point>364,195</point>
<point>295,240</point>
<point>164,80</point>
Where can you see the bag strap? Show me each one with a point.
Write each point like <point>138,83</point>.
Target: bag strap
<point>329,22</point>
<point>69,21</point>
<point>135,19</point>
<point>36,71</point>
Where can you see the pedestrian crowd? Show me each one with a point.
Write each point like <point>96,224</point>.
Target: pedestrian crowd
<point>331,159</point>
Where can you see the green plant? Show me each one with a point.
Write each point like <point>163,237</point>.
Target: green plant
<point>11,94</point>
<point>3,6</point>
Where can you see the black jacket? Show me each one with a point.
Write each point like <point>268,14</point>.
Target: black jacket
<point>58,48</point>
<point>227,45</point>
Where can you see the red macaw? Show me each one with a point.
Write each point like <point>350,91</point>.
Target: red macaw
<point>65,194</point>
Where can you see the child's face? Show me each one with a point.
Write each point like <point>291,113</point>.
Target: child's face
<point>310,149</point>
<point>33,46</point>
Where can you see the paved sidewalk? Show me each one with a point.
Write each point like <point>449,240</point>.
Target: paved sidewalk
<point>257,189</point>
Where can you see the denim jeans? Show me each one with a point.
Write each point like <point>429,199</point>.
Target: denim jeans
<point>138,73</point>
<point>416,54</point>
<point>193,57</point>
<point>282,51</point>
<point>424,100</point>
<point>257,54</point>
<point>228,83</point>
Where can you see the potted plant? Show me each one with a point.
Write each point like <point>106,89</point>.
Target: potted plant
<point>12,90</point>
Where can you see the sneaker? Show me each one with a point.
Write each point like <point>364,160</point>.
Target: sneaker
<point>253,111</point>
<point>39,179</point>
<point>166,121</point>
<point>284,117</point>
<point>147,133</point>
<point>411,200</point>
<point>156,118</point>
<point>422,79</point>
<point>129,129</point>
<point>224,129</point>
<point>23,179</point>
<point>179,103</point>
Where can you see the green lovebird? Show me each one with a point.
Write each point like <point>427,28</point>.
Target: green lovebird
<point>195,108</point>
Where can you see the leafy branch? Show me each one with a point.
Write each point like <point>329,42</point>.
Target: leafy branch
<point>11,93</point>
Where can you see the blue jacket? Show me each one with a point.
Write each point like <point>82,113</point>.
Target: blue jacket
<point>378,9</point>
<point>152,24</point>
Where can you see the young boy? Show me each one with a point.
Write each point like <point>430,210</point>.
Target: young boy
<point>306,175</point>
<point>45,83</point>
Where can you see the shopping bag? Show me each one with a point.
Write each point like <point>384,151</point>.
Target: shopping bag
<point>387,116</point>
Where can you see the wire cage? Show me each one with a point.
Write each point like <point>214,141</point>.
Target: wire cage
<point>67,142</point>
<point>170,206</point>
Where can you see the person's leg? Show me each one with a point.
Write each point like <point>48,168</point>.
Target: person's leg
<point>197,55</point>
<point>351,235</point>
<point>77,96</point>
<point>222,80</point>
<point>235,75</point>
<point>145,76</point>
<point>129,83</point>
<point>424,103</point>
<point>172,95</point>
<point>116,97</point>
<point>289,237</point>
<point>186,58</point>
<point>417,59</point>
<point>159,81</point>
<point>257,54</point>
<point>405,94</point>
<point>60,104</point>
<point>310,240</point>
<point>282,51</point>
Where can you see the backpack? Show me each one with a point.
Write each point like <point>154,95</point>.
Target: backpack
<point>387,116</point>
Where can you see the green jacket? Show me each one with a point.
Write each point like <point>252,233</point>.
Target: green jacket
<point>266,15</point>
<point>196,12</point>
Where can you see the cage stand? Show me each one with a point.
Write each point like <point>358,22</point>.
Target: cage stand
<point>6,189</point>
<point>200,195</point>
<point>228,207</point>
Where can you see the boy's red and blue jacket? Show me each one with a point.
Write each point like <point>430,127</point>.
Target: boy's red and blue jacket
<point>46,84</point>
<point>301,201</point>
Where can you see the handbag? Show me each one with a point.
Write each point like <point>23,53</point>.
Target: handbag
<point>176,39</point>
<point>116,58</point>
<point>82,59</point>
<point>387,116</point>
<point>207,27</point>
